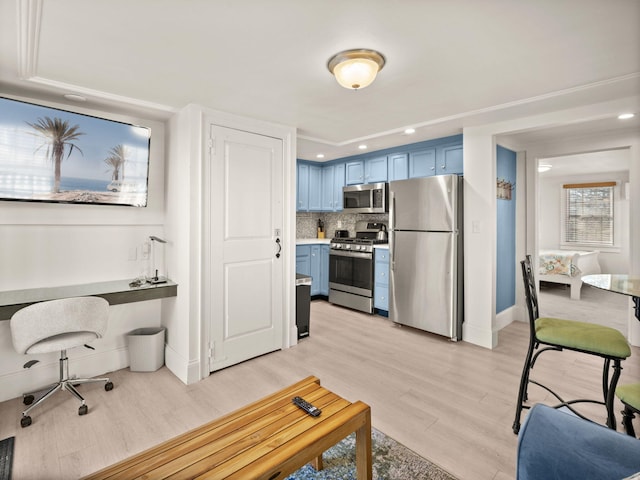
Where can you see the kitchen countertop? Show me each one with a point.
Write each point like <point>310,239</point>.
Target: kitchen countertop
<point>313,241</point>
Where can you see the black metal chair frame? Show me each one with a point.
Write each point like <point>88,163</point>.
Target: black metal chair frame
<point>608,387</point>
<point>628,414</point>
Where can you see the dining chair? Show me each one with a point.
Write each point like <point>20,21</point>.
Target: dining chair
<point>555,334</point>
<point>55,326</point>
<point>629,395</point>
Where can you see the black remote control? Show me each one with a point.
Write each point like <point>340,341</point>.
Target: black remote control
<point>306,406</point>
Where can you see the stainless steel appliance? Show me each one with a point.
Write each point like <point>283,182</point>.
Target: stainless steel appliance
<point>369,198</point>
<point>425,253</point>
<point>351,267</point>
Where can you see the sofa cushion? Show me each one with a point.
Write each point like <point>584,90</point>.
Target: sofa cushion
<point>555,445</point>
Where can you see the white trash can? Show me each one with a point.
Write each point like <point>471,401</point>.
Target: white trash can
<point>146,349</point>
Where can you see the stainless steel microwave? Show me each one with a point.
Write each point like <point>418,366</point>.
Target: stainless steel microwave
<point>369,198</point>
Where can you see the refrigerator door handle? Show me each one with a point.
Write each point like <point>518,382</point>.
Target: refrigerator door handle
<point>392,229</point>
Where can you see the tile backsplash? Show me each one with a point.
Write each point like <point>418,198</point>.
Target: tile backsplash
<point>307,222</point>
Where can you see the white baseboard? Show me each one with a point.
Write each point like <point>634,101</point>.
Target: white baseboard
<point>185,370</point>
<point>479,336</point>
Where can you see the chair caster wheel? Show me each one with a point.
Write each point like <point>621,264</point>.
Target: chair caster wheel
<point>83,410</point>
<point>27,399</point>
<point>108,386</point>
<point>25,421</point>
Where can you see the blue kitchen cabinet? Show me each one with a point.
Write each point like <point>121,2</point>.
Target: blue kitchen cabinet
<point>332,183</point>
<point>375,169</point>
<point>354,172</point>
<point>371,170</point>
<point>398,166</point>
<point>449,160</point>
<point>303,259</point>
<point>309,180</point>
<point>422,163</point>
<point>313,260</point>
<point>324,270</point>
<point>381,279</point>
<point>315,269</point>
<point>315,188</point>
<point>302,179</point>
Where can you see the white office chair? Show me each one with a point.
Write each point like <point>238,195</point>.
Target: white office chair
<point>58,325</point>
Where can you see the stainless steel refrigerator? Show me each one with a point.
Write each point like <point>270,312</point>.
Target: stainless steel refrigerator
<point>425,248</point>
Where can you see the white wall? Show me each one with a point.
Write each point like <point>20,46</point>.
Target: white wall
<point>607,141</point>
<point>550,190</point>
<point>480,240</point>
<point>44,245</point>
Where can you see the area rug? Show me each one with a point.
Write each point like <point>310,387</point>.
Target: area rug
<point>391,461</point>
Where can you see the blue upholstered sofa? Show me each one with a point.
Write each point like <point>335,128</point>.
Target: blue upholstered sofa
<point>554,444</point>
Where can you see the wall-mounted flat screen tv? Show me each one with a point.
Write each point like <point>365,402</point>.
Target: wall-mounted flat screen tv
<point>52,155</point>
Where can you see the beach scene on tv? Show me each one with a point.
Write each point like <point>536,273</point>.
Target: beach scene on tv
<point>52,155</point>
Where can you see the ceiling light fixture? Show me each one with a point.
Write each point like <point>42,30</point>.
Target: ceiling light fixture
<point>320,155</point>
<point>409,131</point>
<point>356,69</point>
<point>362,147</point>
<point>544,167</point>
<point>625,116</point>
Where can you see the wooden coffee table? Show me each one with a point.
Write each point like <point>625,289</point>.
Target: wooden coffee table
<point>268,439</point>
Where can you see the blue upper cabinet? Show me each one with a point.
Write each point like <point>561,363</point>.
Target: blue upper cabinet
<point>354,172</point>
<point>315,188</point>
<point>398,166</point>
<point>303,187</point>
<point>371,170</point>
<point>320,186</point>
<point>309,191</point>
<point>332,183</point>
<point>449,160</point>
<point>422,163</point>
<point>375,169</point>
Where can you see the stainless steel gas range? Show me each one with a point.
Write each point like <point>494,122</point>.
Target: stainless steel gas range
<point>351,266</point>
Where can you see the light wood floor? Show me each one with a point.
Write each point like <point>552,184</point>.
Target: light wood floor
<point>452,403</point>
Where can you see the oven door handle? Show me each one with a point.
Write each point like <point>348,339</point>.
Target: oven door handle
<point>339,253</point>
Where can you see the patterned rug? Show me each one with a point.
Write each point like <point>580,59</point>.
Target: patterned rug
<point>391,461</point>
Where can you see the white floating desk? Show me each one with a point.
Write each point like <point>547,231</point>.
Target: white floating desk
<point>115,292</point>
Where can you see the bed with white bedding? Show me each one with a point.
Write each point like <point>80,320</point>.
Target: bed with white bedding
<point>567,267</point>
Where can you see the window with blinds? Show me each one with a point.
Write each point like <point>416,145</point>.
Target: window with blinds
<point>588,213</point>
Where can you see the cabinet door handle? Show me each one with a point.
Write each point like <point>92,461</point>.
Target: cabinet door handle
<point>279,247</point>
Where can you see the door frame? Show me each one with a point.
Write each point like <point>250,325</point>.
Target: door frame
<point>288,137</point>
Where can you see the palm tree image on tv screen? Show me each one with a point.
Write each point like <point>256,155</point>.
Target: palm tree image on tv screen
<point>51,155</point>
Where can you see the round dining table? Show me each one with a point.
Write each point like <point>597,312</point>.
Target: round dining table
<point>617,283</point>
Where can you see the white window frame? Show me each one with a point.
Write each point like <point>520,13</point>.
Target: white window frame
<point>604,247</point>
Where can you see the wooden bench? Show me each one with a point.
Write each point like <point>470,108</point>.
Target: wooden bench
<point>268,439</point>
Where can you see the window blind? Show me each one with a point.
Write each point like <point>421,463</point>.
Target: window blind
<point>588,218</point>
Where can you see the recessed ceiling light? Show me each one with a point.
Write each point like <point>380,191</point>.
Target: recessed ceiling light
<point>625,116</point>
<point>409,131</point>
<point>362,147</point>
<point>74,97</point>
<point>320,155</point>
<point>544,167</point>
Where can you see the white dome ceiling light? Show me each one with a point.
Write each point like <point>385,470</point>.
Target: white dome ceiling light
<point>356,69</point>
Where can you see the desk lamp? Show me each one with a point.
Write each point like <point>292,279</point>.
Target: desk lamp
<point>155,279</point>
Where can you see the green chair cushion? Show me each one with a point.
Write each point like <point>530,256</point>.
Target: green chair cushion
<point>588,337</point>
<point>629,394</point>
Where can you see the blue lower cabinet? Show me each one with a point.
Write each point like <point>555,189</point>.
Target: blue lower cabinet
<point>324,270</point>
<point>303,259</point>
<point>313,260</point>
<point>381,280</point>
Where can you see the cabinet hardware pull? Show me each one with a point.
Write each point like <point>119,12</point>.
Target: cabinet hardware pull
<point>279,247</point>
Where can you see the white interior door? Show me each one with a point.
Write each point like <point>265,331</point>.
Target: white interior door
<point>246,273</point>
